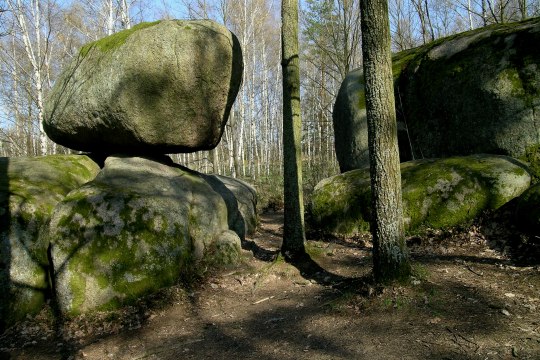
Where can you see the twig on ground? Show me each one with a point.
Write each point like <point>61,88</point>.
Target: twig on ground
<point>473,271</point>
<point>263,300</point>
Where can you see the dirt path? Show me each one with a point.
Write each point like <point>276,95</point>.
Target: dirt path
<point>467,301</point>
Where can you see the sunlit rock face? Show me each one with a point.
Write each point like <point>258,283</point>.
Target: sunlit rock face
<point>437,193</point>
<point>158,88</point>
<point>140,225</point>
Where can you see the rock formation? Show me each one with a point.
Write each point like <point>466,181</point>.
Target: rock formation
<point>475,92</point>
<point>94,239</point>
<point>134,229</point>
<point>437,193</point>
<point>163,87</point>
<point>30,188</point>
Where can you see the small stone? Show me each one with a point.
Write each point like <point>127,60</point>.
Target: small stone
<point>505,312</point>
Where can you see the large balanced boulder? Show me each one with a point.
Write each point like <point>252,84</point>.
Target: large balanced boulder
<point>29,190</point>
<point>437,193</point>
<point>138,226</point>
<point>475,92</point>
<point>161,87</point>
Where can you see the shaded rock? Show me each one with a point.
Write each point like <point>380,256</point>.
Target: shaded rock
<point>528,210</point>
<point>241,200</point>
<point>139,226</point>
<point>475,92</point>
<point>437,193</point>
<point>29,190</point>
<point>162,87</point>
<point>350,123</point>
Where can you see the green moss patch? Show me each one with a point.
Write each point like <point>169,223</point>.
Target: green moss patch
<point>113,41</point>
<point>532,158</point>
<point>139,226</point>
<point>436,193</point>
<point>29,193</point>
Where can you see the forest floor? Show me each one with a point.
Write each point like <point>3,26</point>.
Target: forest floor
<point>472,297</point>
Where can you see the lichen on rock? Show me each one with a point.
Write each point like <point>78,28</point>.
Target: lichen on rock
<point>29,190</point>
<point>138,226</point>
<point>437,193</point>
<point>160,88</point>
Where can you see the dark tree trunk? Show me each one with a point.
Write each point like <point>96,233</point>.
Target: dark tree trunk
<point>390,256</point>
<point>293,231</point>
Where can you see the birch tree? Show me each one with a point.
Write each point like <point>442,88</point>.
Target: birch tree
<point>106,17</point>
<point>33,31</point>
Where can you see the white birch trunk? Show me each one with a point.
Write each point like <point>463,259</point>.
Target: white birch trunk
<point>126,20</point>
<point>469,9</point>
<point>110,17</point>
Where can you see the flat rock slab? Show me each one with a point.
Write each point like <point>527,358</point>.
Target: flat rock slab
<point>162,87</point>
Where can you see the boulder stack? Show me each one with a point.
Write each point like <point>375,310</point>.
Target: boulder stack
<point>104,238</point>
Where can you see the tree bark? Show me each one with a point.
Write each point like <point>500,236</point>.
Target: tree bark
<point>293,231</point>
<point>390,256</point>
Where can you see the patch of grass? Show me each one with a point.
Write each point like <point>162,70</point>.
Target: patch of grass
<point>345,303</point>
<point>396,302</point>
<point>419,272</point>
<point>315,250</point>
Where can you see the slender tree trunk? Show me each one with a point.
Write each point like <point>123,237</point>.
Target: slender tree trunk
<point>523,9</point>
<point>293,231</point>
<point>34,54</point>
<point>126,20</point>
<point>390,257</point>
<point>469,9</point>
<point>213,155</point>
<point>110,17</point>
<point>428,18</point>
<point>484,13</point>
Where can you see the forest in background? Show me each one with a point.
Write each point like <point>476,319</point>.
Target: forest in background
<point>38,37</point>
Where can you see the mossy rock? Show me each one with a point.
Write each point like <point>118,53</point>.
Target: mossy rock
<point>474,92</point>
<point>29,190</point>
<point>139,226</point>
<point>161,87</point>
<point>437,193</point>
